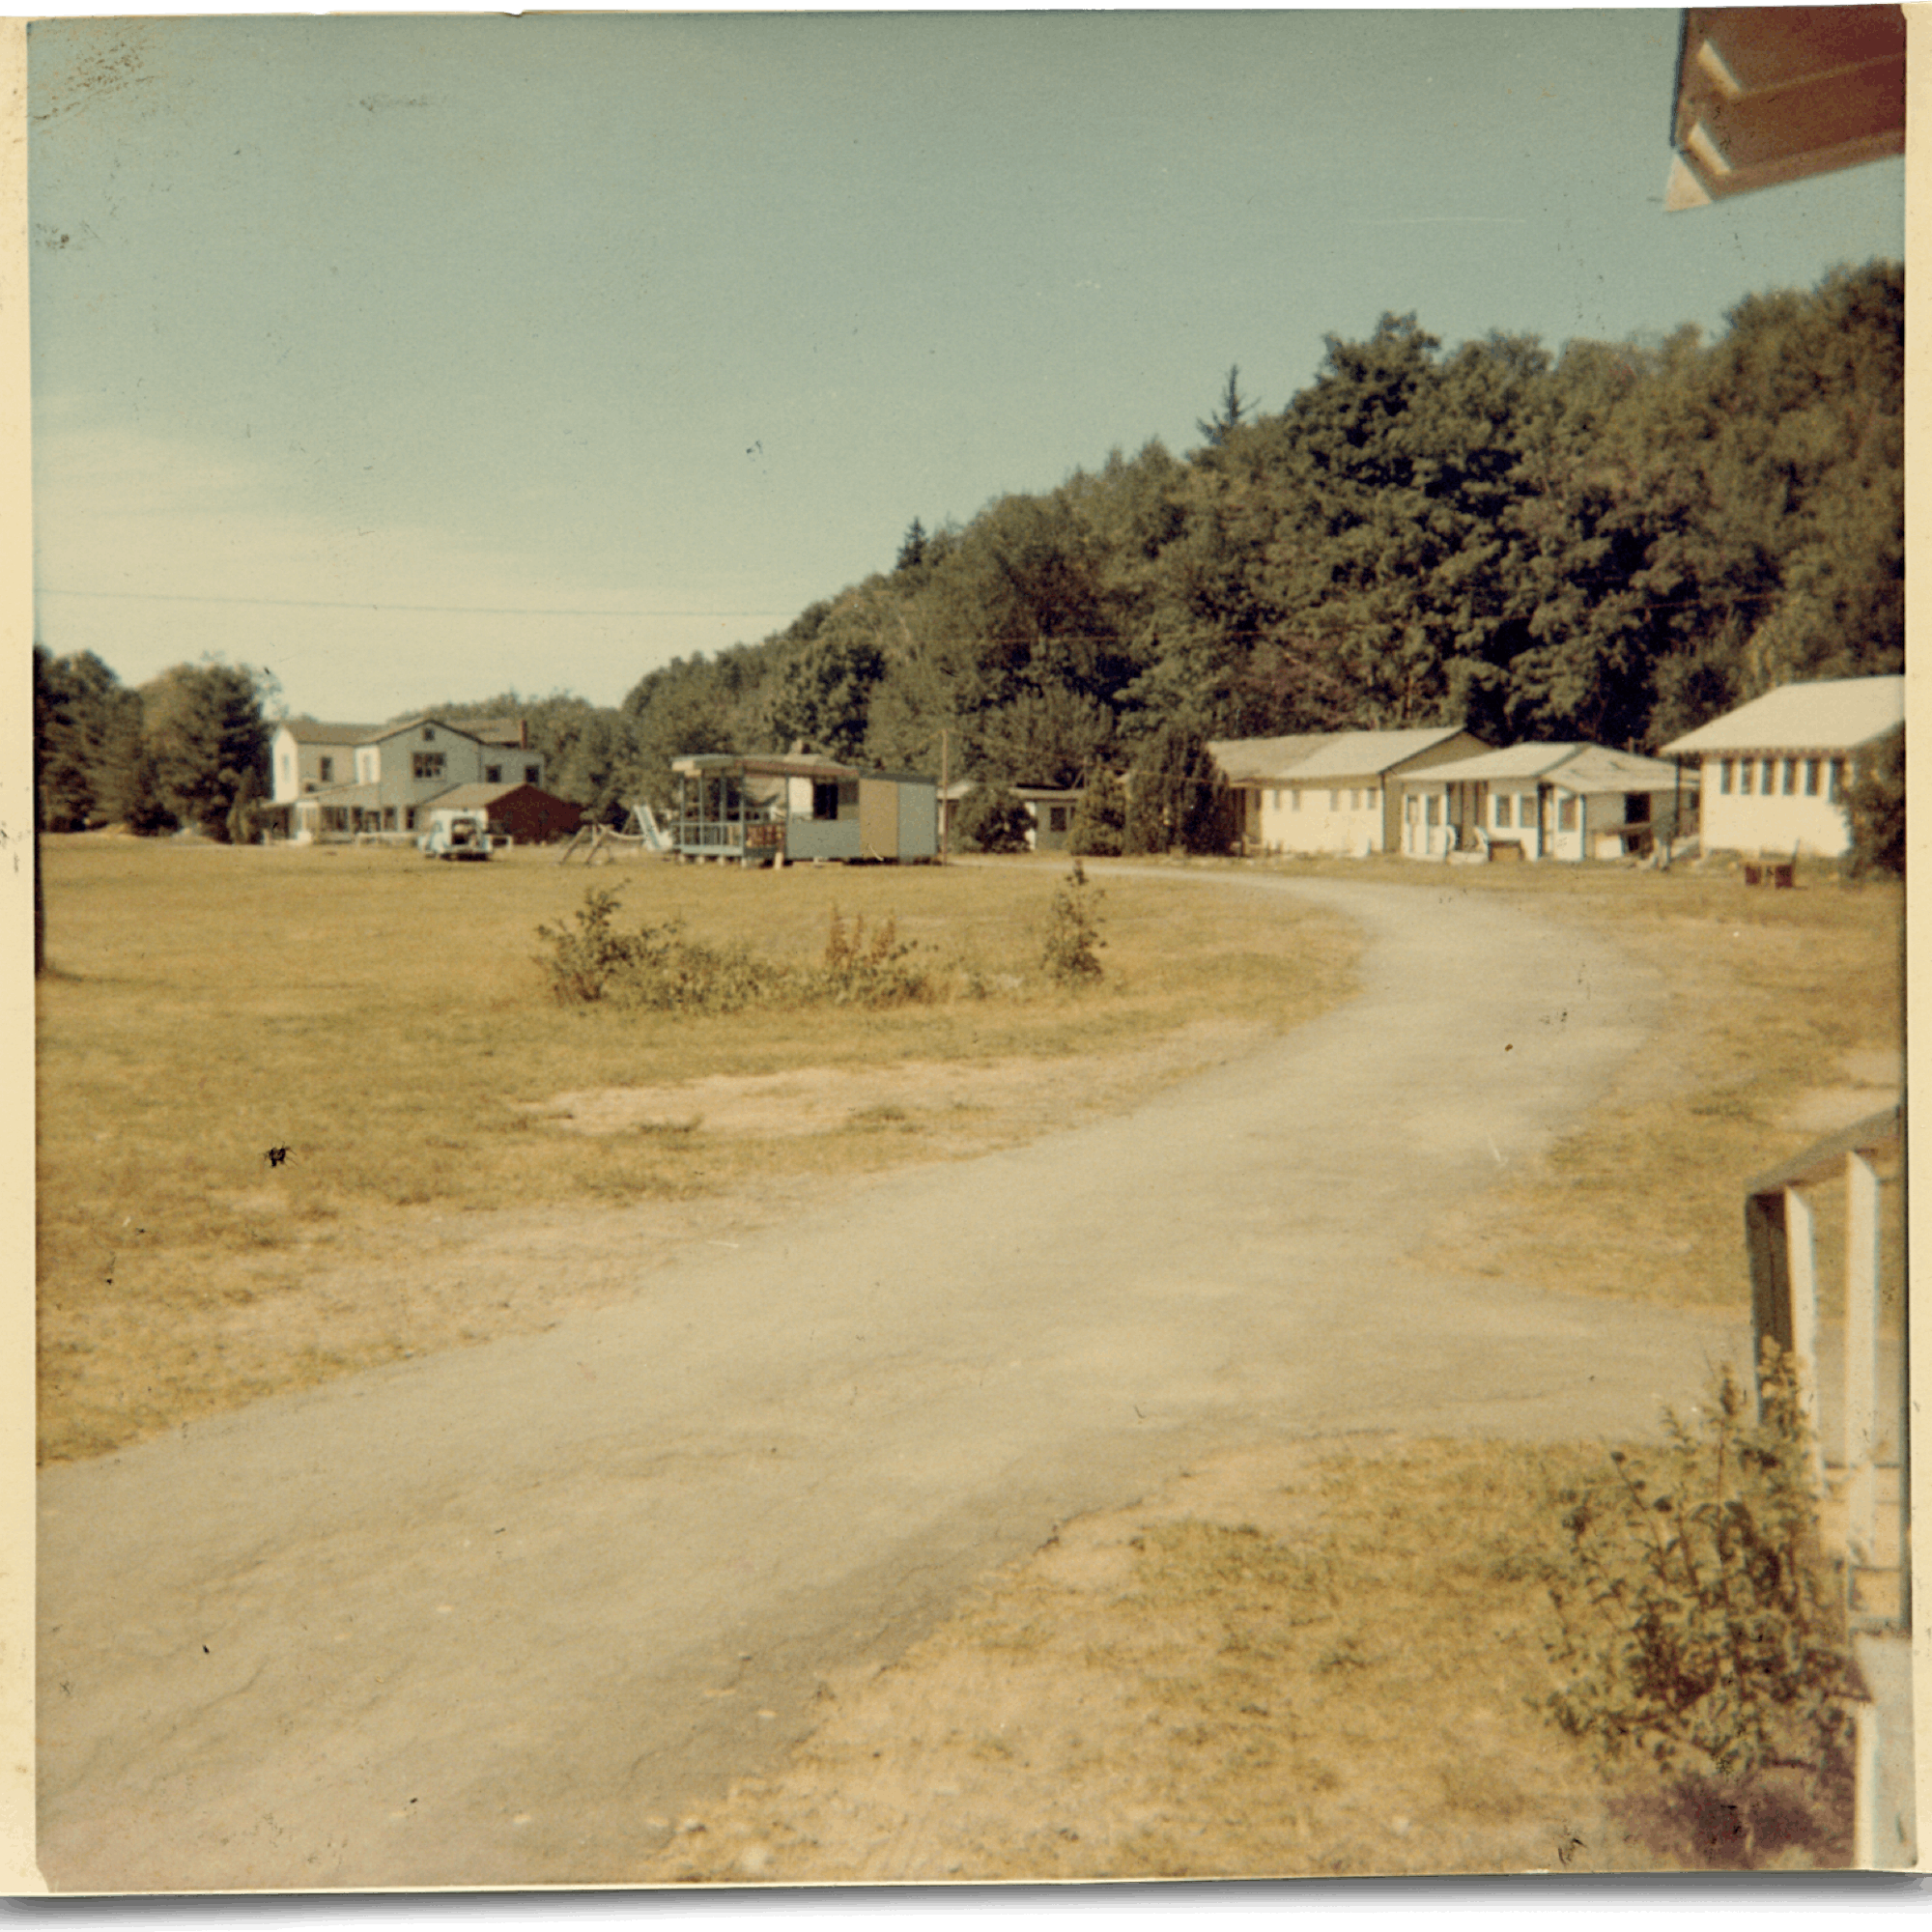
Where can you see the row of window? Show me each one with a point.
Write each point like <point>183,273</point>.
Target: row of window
<point>1428,811</point>
<point>1772,778</point>
<point>429,765</point>
<point>1358,800</point>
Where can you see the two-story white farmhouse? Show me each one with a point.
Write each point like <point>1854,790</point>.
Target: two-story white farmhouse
<point>1331,791</point>
<point>341,779</point>
<point>1774,771</point>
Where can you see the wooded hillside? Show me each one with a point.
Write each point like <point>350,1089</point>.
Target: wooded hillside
<point>1617,542</point>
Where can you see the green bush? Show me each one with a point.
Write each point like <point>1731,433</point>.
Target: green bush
<point>881,970</point>
<point>993,819</point>
<point>1070,952</point>
<point>1100,820</point>
<point>661,968</point>
<point>1701,1627</point>
<point>1875,807</point>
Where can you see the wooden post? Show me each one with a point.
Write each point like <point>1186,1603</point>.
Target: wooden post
<point>1802,1262</point>
<point>1770,1272</point>
<point>1861,1423</point>
<point>945,814</point>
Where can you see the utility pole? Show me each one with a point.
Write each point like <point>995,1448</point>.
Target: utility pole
<point>944,816</point>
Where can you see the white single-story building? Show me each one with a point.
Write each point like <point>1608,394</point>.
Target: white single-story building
<point>1331,791</point>
<point>1775,771</point>
<point>1051,810</point>
<point>1546,801</point>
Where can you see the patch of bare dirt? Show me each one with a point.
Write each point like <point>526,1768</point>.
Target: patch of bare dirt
<point>1874,1079</point>
<point>1039,1095</point>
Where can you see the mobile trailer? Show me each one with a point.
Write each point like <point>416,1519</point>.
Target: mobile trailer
<point>793,807</point>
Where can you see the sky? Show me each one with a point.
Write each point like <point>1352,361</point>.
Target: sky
<point>419,359</point>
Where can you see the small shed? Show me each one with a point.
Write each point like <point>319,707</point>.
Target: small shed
<point>757,810</point>
<point>1051,810</point>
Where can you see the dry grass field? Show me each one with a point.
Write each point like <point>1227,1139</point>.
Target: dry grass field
<point>386,1021</point>
<point>1305,1659</point>
<point>1322,1658</point>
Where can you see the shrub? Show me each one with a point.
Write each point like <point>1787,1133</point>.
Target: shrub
<point>876,971</point>
<point>1875,807</point>
<point>1701,1628</point>
<point>993,819</point>
<point>1071,954</point>
<point>1100,820</point>
<point>661,968</point>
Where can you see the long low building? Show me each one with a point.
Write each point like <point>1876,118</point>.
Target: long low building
<point>1546,801</point>
<point>1774,771</point>
<point>1332,791</point>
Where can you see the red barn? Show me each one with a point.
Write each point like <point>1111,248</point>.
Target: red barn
<point>525,812</point>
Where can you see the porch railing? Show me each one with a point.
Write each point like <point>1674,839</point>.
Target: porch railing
<point>1780,1239</point>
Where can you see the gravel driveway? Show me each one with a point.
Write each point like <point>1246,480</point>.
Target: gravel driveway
<point>474,1619</point>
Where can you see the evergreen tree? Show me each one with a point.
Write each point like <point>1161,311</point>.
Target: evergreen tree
<point>1176,801</point>
<point>204,729</point>
<point>1100,818</point>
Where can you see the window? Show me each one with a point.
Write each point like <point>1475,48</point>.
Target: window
<point>1373,799</point>
<point>1294,796</point>
<point>1837,788</point>
<point>1277,800</point>
<point>493,775</point>
<point>825,798</point>
<point>1790,777</point>
<point>1566,812</point>
<point>531,774</point>
<point>1810,778</point>
<point>1334,801</point>
<point>1725,777</point>
<point>429,734</point>
<point>409,818</point>
<point>429,764</point>
<point>328,771</point>
<point>1768,776</point>
<point>1505,809</point>
<point>1745,771</point>
<point>1434,807</point>
<point>1056,818</point>
<point>1355,801</point>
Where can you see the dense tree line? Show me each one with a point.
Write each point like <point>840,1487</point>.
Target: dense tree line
<point>190,749</point>
<point>1616,541</point>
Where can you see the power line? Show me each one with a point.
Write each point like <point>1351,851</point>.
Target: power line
<point>347,603</point>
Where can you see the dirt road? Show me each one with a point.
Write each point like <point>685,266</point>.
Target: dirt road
<point>479,1618</point>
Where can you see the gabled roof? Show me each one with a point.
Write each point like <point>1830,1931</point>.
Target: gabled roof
<point>1348,754</point>
<point>1514,761</point>
<point>1324,755</point>
<point>307,731</point>
<point>1596,768</point>
<point>781,764</point>
<point>507,732</point>
<point>378,733</point>
<point>1838,714</point>
<point>471,797</point>
<point>1573,765</point>
<point>1252,758</point>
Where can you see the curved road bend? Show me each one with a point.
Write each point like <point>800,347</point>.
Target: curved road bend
<point>475,1619</point>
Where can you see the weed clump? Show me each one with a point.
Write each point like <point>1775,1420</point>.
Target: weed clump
<point>663,969</point>
<point>1701,1628</point>
<point>1070,952</point>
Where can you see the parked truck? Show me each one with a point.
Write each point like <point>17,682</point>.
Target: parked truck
<point>458,832</point>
